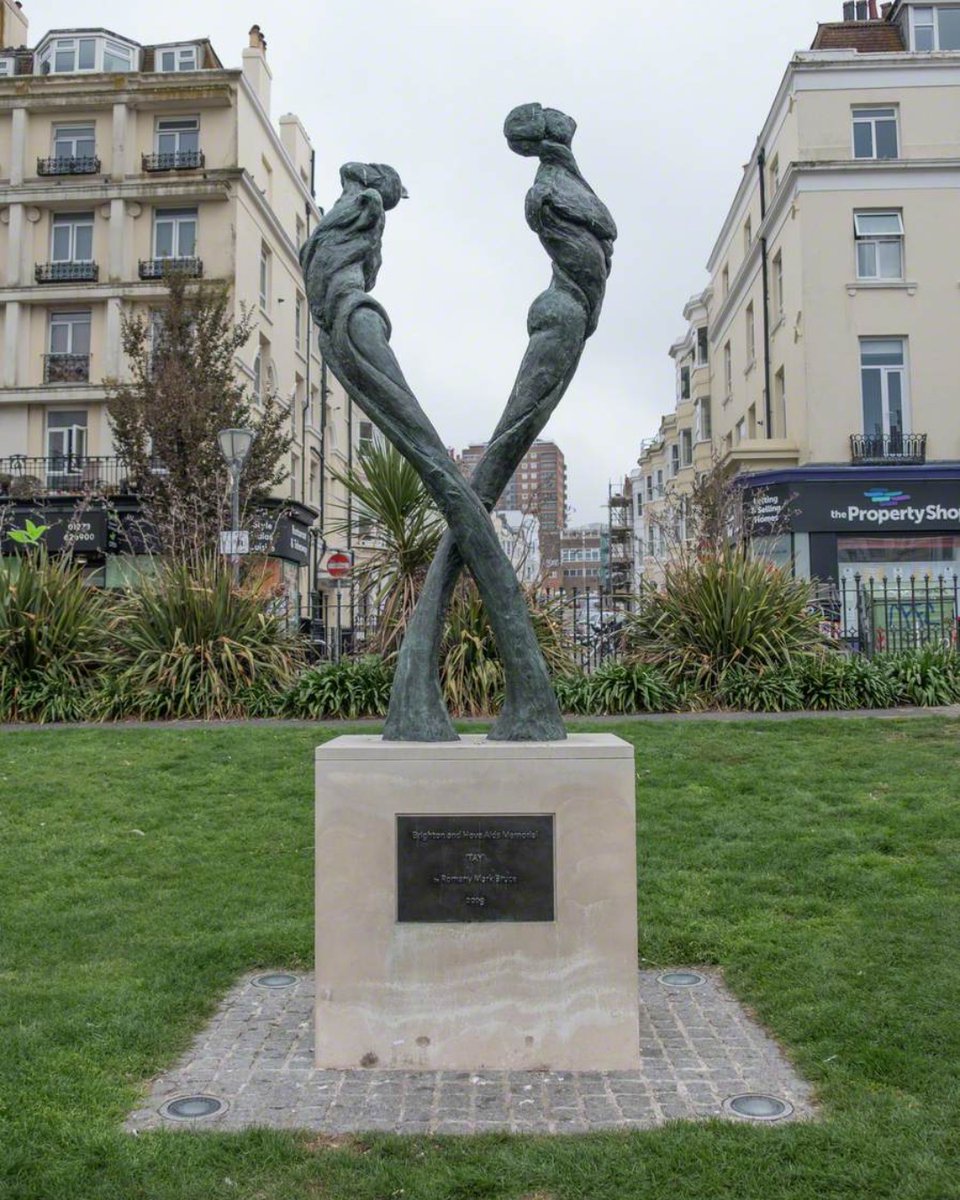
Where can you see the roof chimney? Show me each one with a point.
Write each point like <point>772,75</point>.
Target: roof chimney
<point>872,9</point>
<point>858,10</point>
<point>13,25</point>
<point>255,69</point>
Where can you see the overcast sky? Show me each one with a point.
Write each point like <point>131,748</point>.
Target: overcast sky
<point>669,99</point>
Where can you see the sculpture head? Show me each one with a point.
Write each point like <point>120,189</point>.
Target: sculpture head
<point>379,176</point>
<point>528,126</point>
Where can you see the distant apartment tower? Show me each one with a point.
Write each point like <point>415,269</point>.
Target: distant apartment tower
<point>538,487</point>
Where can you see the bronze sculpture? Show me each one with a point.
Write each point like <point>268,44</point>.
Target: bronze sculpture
<point>340,264</point>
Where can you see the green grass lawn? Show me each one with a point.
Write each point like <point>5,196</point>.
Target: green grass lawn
<point>141,871</point>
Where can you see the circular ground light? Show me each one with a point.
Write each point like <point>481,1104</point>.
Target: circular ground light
<point>277,979</point>
<point>681,978</point>
<point>754,1106</point>
<point>192,1108</point>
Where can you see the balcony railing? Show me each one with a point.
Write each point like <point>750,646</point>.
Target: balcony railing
<point>177,160</point>
<point>69,164</point>
<point>157,268</point>
<point>66,368</point>
<point>897,449</point>
<point>23,476</point>
<point>66,272</point>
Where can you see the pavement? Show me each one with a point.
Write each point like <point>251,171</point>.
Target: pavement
<point>699,1048</point>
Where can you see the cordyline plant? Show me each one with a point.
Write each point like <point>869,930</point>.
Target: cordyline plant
<point>721,610</point>
<point>183,389</point>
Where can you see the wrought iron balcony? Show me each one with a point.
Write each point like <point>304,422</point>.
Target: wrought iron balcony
<point>24,477</point>
<point>69,164</point>
<point>888,449</point>
<point>157,268</point>
<point>177,160</point>
<point>66,368</point>
<point>66,272</point>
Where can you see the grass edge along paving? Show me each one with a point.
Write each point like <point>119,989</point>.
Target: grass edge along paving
<point>816,863</point>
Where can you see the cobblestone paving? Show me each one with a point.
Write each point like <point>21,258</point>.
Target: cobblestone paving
<point>698,1048</point>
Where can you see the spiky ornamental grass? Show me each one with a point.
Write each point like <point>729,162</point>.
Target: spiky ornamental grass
<point>721,611</point>
<point>53,638</point>
<point>191,644</point>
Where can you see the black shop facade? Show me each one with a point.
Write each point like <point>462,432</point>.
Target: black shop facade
<point>881,523</point>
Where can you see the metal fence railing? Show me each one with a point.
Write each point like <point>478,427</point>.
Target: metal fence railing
<point>867,615</point>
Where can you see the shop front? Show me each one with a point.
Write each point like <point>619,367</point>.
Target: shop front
<point>884,542</point>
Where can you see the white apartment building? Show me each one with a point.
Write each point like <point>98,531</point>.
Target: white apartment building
<point>817,360</point>
<point>117,161</point>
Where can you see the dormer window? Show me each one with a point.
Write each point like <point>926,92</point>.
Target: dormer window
<point>936,27</point>
<point>176,58</point>
<point>85,52</point>
<point>7,67</point>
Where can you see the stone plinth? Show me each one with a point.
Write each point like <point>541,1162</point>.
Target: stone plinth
<point>446,994</point>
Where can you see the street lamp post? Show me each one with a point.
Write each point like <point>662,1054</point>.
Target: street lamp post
<point>235,447</point>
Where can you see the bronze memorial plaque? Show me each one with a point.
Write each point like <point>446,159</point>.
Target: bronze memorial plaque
<point>488,868</point>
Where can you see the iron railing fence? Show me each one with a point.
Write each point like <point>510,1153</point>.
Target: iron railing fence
<point>66,368</point>
<point>159,268</point>
<point>69,164</point>
<point>884,614</point>
<point>174,160</point>
<point>66,272</point>
<point>863,614</point>
<point>25,476</point>
<point>888,449</point>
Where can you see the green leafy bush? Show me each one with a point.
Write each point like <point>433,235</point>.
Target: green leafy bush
<point>769,689</point>
<point>924,677</point>
<point>720,611</point>
<point>348,689</point>
<point>189,644</point>
<point>53,639</point>
<point>617,688</point>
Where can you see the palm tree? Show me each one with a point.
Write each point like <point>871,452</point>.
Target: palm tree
<point>404,529</point>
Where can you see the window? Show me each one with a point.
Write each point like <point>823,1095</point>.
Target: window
<point>298,323</point>
<point>752,421</point>
<point>879,238</point>
<point>179,135</point>
<point>747,236</point>
<point>674,459</point>
<point>72,238</point>
<point>883,386</point>
<point>176,58</point>
<point>117,57</point>
<point>660,482</point>
<point>875,133</point>
<point>751,336</point>
<point>702,427</point>
<point>727,371</point>
<point>778,284</point>
<point>740,431</point>
<point>365,438</point>
<point>258,378</point>
<point>175,233</point>
<point>686,447</point>
<point>74,141</point>
<point>74,54</point>
<point>301,233</point>
<point>779,413</point>
<point>264,276</point>
<point>774,174</point>
<point>703,349</point>
<point>649,487</point>
<point>725,281</point>
<point>66,435</point>
<point>936,28</point>
<point>7,66</point>
<point>684,383</point>
<point>70,332</point>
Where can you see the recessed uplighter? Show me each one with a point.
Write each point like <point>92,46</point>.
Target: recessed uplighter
<point>681,978</point>
<point>277,979</point>
<point>753,1106</point>
<point>191,1108</point>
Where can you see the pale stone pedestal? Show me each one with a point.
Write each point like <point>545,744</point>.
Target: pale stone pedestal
<point>511,995</point>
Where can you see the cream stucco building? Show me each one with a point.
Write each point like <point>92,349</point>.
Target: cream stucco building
<point>818,358</point>
<point>117,160</point>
